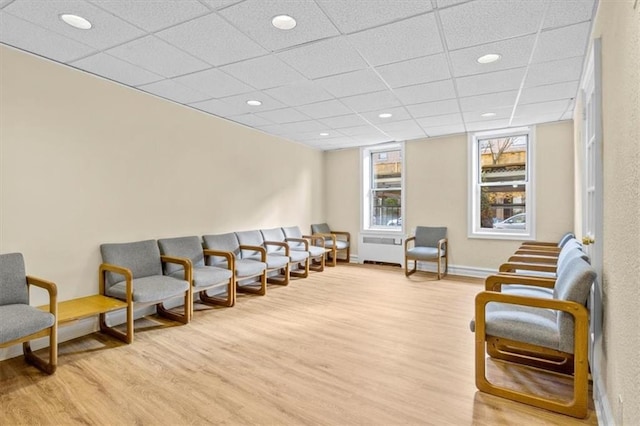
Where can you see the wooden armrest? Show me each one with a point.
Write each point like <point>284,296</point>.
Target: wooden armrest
<point>126,272</point>
<point>231,259</point>
<point>540,248</point>
<point>514,266</point>
<point>406,242</point>
<point>534,259</point>
<point>186,264</point>
<point>441,243</point>
<point>299,240</point>
<point>495,282</point>
<point>279,244</point>
<point>578,311</point>
<point>344,233</point>
<point>539,243</point>
<point>331,236</point>
<point>315,240</point>
<point>51,288</point>
<point>261,250</point>
<point>527,252</point>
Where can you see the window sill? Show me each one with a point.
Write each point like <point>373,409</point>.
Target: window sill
<point>502,236</point>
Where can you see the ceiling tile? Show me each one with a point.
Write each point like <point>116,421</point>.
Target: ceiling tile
<point>365,130</point>
<point>219,108</point>
<point>254,17</point>
<point>445,130</point>
<point>487,125</point>
<point>446,3</point>
<point>403,130</point>
<point>559,106</point>
<point>251,120</point>
<point>550,92</point>
<point>324,109</point>
<point>428,109</point>
<point>415,71</point>
<point>201,37</point>
<point>162,15</point>
<point>218,4</point>
<point>397,114</point>
<point>343,121</point>
<point>480,22</point>
<point>157,56</point>
<point>326,57</point>
<point>564,70</point>
<point>497,81</point>
<point>407,39</point>
<point>303,126</point>
<point>171,90</point>
<point>353,83</point>
<point>282,116</point>
<point>568,12</point>
<point>351,16</point>
<point>107,29</point>
<point>32,38</point>
<point>240,102</point>
<point>503,113</point>
<point>214,83</point>
<point>515,53</point>
<point>562,43</point>
<point>116,69</point>
<point>264,72</point>
<point>440,120</point>
<point>428,92</point>
<point>537,119</point>
<point>371,101</point>
<point>489,100</point>
<point>299,93</point>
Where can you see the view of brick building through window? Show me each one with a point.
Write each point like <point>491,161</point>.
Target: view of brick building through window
<point>386,188</point>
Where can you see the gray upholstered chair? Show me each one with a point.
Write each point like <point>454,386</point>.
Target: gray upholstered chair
<point>313,245</point>
<point>548,245</point>
<point>533,329</point>
<point>20,322</point>
<point>133,272</point>
<point>298,259</point>
<point>545,266</point>
<point>247,270</point>
<point>335,241</point>
<point>213,284</point>
<point>430,244</point>
<point>276,262</point>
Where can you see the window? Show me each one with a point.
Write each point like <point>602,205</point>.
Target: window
<point>382,182</point>
<point>501,184</point>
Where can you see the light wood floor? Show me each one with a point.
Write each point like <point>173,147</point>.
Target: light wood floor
<point>354,345</point>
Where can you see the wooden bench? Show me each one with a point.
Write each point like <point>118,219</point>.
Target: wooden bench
<point>74,310</point>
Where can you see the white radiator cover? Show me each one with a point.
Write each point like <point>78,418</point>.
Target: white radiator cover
<point>380,248</point>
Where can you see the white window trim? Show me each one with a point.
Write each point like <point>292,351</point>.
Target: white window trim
<point>473,219</point>
<point>365,176</point>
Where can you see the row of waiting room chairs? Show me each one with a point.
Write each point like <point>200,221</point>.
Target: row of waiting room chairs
<point>534,313</point>
<point>151,272</point>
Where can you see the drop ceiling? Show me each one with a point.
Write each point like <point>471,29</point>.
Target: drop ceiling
<point>325,82</point>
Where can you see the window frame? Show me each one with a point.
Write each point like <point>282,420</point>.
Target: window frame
<point>474,229</point>
<point>366,179</point>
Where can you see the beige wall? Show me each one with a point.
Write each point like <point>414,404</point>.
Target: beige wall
<point>436,185</point>
<point>86,161</point>
<point>618,25</point>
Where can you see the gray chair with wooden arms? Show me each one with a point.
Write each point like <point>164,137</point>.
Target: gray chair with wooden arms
<point>20,322</point>
<point>313,245</point>
<point>214,285</point>
<point>277,262</point>
<point>335,241</point>
<point>430,244</point>
<point>298,259</point>
<point>537,330</point>
<point>133,272</point>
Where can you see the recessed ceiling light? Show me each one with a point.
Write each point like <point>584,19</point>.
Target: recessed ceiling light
<point>283,22</point>
<point>488,114</point>
<point>76,21</point>
<point>385,115</point>
<point>253,102</point>
<point>324,134</point>
<point>489,58</point>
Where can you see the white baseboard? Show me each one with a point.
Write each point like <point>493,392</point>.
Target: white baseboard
<point>601,402</point>
<point>465,271</point>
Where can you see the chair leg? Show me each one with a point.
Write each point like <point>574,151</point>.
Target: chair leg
<point>228,301</point>
<point>259,291</point>
<point>127,336</point>
<point>50,366</point>
<point>317,266</point>
<point>305,270</point>
<point>183,318</point>
<point>408,272</point>
<point>438,259</point>
<point>281,281</point>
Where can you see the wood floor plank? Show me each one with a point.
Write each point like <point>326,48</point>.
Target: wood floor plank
<point>353,345</point>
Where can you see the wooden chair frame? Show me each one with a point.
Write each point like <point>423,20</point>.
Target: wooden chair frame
<point>307,263</point>
<point>333,250</point>
<point>51,365</point>
<point>127,336</point>
<point>319,242</point>
<point>263,275</point>
<point>534,355</point>
<point>284,271</point>
<point>442,243</point>
<point>230,300</point>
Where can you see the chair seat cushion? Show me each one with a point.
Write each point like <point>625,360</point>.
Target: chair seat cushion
<point>298,255</point>
<point>150,289</point>
<point>316,251</point>
<point>274,261</point>
<point>20,320</point>
<point>528,291</point>
<point>423,253</point>
<point>206,276</point>
<point>249,267</point>
<point>340,244</point>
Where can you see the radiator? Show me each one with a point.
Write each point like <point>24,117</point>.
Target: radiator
<point>380,248</point>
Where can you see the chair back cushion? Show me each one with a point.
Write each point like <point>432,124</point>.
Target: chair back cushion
<point>13,280</point>
<point>250,238</point>
<point>273,234</point>
<point>187,247</point>
<point>294,232</point>
<point>320,228</point>
<point>567,253</point>
<point>141,257</point>
<point>573,284</point>
<point>428,236</point>
<point>221,242</point>
<point>566,238</point>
